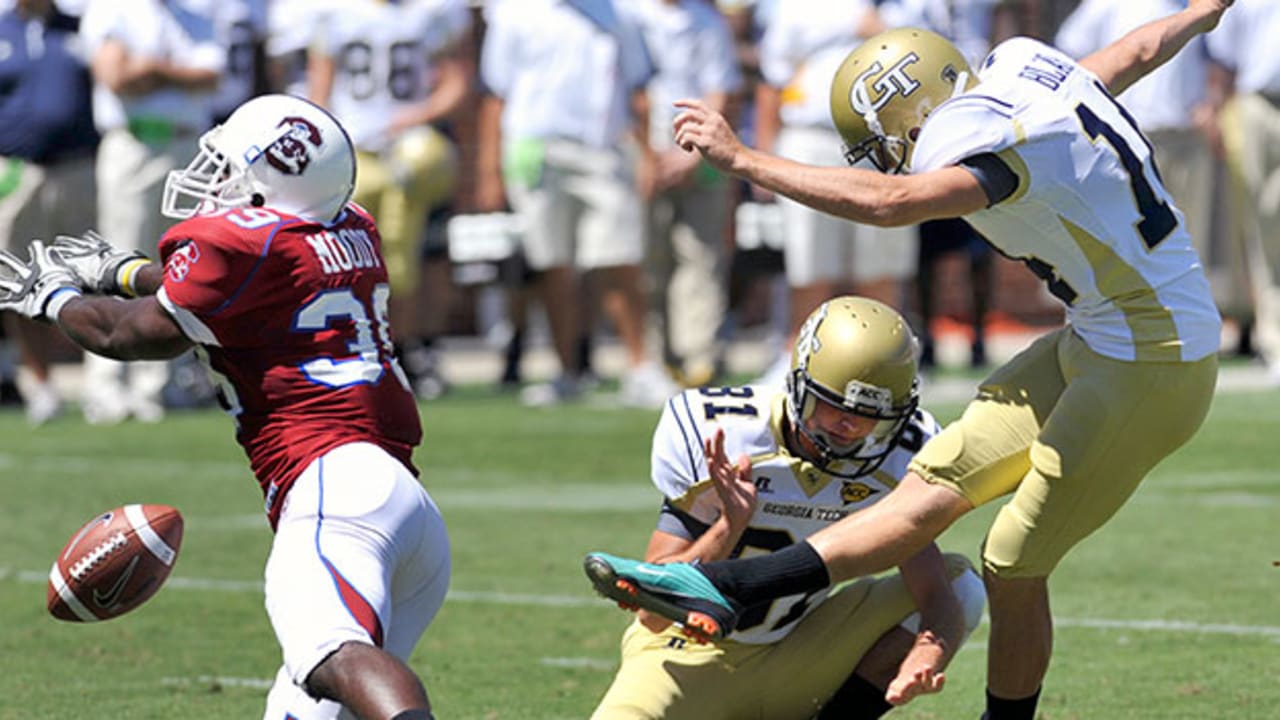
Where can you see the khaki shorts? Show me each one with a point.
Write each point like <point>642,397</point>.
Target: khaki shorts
<point>819,247</point>
<point>1070,433</point>
<point>665,675</point>
<point>578,205</point>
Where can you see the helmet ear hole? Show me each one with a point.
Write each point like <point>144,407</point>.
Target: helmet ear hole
<point>257,200</point>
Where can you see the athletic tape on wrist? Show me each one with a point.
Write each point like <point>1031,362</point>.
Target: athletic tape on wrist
<point>60,297</point>
<point>127,273</point>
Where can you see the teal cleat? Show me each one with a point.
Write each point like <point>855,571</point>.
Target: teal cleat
<point>676,591</point>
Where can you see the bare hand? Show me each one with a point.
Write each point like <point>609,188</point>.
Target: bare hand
<point>700,128</point>
<point>1214,10</point>
<point>911,684</point>
<point>732,481</point>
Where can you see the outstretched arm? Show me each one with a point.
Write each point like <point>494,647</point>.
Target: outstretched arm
<point>1129,59</point>
<point>137,329</point>
<point>855,194</point>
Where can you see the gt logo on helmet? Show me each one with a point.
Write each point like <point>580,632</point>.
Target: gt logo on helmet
<point>894,81</point>
<point>291,154</point>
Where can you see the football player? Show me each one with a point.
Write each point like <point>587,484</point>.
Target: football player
<point>1035,152</point>
<point>837,440</point>
<point>279,283</point>
<point>392,72</point>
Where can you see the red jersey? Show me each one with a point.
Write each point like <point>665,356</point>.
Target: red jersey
<point>291,317</point>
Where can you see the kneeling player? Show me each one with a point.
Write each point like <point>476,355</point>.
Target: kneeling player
<point>836,441</point>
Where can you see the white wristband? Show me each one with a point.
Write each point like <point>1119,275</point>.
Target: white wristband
<point>53,306</point>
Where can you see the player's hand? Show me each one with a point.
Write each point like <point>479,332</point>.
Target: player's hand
<point>97,264</point>
<point>732,481</point>
<point>909,685</point>
<point>700,128</point>
<point>920,672</point>
<point>38,288</point>
<point>1212,10</point>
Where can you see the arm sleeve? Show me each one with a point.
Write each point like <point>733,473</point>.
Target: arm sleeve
<point>995,176</point>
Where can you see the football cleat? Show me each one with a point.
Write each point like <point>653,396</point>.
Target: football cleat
<point>676,591</point>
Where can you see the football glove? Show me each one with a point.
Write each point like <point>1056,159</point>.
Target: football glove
<point>99,266</point>
<point>39,288</point>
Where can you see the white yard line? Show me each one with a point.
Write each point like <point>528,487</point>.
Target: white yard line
<point>33,577</point>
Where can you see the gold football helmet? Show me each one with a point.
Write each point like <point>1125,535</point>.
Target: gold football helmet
<point>858,355</point>
<point>885,89</point>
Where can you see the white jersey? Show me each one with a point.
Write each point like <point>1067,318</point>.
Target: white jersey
<point>795,497</point>
<point>383,55</point>
<point>1090,215</point>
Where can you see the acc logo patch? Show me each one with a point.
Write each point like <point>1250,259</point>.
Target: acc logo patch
<point>855,492</point>
<point>179,264</point>
<point>291,154</point>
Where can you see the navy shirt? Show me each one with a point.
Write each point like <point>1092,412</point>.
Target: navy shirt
<point>46,112</point>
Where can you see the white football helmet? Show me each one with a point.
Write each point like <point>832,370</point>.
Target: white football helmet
<point>278,151</point>
<point>858,355</point>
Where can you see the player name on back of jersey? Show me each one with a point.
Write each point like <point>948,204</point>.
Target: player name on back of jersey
<point>1048,71</point>
<point>343,250</point>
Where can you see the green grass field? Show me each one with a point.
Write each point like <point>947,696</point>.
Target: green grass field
<point>1169,612</point>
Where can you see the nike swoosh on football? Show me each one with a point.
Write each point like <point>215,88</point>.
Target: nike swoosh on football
<point>106,600</point>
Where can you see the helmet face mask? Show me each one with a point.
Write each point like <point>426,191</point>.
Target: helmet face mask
<point>887,87</point>
<point>275,150</point>
<point>886,154</point>
<point>209,183</point>
<point>857,356</point>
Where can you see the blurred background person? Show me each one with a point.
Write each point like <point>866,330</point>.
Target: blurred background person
<point>1243,113</point>
<point>47,147</point>
<point>689,213</point>
<point>566,139</point>
<point>391,72</point>
<point>968,24</point>
<point>241,29</point>
<point>803,44</point>
<point>156,66</point>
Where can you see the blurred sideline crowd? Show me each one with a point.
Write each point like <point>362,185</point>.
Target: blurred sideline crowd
<point>517,156</point>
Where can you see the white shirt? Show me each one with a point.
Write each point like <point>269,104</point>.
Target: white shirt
<point>561,74</point>
<point>696,60</point>
<point>1245,41</point>
<point>182,32</point>
<point>1163,99</point>
<point>803,46</point>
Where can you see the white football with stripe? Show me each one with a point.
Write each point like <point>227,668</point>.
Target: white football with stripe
<point>116,562</point>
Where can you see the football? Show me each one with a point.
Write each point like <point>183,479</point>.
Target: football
<point>113,564</point>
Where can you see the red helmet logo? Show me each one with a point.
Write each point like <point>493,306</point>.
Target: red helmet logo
<point>291,154</point>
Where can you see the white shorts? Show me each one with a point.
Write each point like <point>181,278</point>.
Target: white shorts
<point>582,209</point>
<point>360,555</point>
<point>820,247</point>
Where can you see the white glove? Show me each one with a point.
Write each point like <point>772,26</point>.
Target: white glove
<point>99,266</point>
<point>37,289</point>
